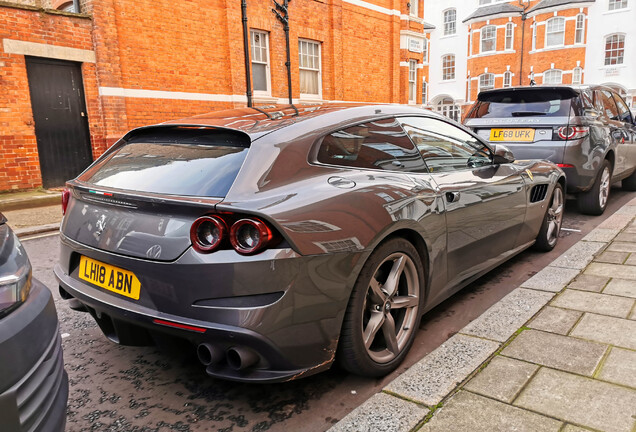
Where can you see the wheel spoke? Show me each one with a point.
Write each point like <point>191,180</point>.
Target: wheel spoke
<point>375,323</point>
<point>391,284</point>
<point>404,302</point>
<point>377,294</point>
<point>551,229</point>
<point>388,329</point>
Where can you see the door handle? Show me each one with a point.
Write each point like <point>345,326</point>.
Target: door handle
<point>452,197</point>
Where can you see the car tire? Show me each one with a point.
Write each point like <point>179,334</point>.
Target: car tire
<point>384,310</point>
<point>629,183</point>
<point>594,201</point>
<point>551,226</point>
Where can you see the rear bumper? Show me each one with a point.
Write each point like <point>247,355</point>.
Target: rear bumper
<point>33,382</point>
<point>286,308</point>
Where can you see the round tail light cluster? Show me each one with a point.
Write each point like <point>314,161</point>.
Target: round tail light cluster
<point>247,236</point>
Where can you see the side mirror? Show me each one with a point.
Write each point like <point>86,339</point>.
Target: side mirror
<point>590,113</point>
<point>502,154</point>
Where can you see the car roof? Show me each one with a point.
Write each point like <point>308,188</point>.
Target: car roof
<point>576,88</point>
<point>259,121</point>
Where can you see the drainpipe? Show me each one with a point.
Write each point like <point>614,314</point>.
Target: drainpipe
<point>284,18</point>
<point>523,32</point>
<point>246,49</point>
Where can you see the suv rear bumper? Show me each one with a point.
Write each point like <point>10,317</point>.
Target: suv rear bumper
<point>33,382</point>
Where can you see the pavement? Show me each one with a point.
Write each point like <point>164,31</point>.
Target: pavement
<point>556,354</point>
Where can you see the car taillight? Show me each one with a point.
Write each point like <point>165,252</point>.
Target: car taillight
<point>66,195</point>
<point>570,132</point>
<point>249,235</point>
<point>207,233</point>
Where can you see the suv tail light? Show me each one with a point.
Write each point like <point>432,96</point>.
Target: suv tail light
<point>66,195</point>
<point>247,235</point>
<point>564,133</point>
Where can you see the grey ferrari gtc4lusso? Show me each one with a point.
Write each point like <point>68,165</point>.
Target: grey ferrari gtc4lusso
<point>278,240</point>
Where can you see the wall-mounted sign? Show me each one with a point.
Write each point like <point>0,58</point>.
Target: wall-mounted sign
<point>611,72</point>
<point>416,45</point>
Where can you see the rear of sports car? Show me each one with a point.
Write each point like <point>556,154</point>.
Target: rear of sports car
<point>540,123</point>
<point>151,253</point>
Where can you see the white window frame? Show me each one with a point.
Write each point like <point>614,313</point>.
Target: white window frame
<point>613,5</point>
<point>550,72</point>
<point>268,77</point>
<point>311,95</point>
<point>534,36</point>
<point>425,51</point>
<point>412,81</point>
<point>507,79</point>
<point>424,91</point>
<point>415,7</point>
<point>488,76</point>
<point>468,89</point>
<point>491,30</point>
<point>550,32</point>
<point>450,26</point>
<point>621,38</point>
<point>451,69</point>
<point>579,30</point>
<point>510,36</point>
<point>577,75</point>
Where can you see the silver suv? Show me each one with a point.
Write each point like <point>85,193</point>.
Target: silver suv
<point>588,131</point>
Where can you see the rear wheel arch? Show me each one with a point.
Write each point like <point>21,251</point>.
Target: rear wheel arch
<point>611,158</point>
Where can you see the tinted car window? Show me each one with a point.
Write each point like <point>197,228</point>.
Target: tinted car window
<point>523,103</point>
<point>445,147</point>
<point>188,162</point>
<point>380,144</point>
<point>605,102</point>
<point>624,114</point>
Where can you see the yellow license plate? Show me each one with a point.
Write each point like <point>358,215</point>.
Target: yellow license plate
<point>109,277</point>
<point>511,135</point>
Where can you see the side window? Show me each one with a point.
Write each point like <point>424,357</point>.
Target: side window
<point>379,144</point>
<point>624,114</point>
<point>445,147</point>
<point>607,104</point>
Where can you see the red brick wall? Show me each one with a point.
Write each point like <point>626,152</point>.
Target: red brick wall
<point>19,164</point>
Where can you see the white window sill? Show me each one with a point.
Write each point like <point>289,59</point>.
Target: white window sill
<point>448,81</point>
<point>310,98</point>
<point>614,66</point>
<point>448,36</point>
<point>612,12</point>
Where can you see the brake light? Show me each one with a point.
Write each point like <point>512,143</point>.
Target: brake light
<point>570,132</point>
<point>207,233</point>
<point>249,235</point>
<point>565,166</point>
<point>66,195</point>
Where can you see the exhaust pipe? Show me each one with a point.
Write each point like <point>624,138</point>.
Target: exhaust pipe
<point>208,355</point>
<point>240,358</point>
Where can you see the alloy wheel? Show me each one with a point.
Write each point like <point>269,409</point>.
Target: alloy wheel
<point>391,307</point>
<point>555,216</point>
<point>603,191</point>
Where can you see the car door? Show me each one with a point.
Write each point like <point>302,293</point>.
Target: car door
<point>606,104</point>
<point>627,144</point>
<point>484,203</point>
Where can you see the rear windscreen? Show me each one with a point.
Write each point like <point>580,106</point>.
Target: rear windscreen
<point>522,103</point>
<point>189,162</point>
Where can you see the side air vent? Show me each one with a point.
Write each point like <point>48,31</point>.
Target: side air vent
<point>538,193</point>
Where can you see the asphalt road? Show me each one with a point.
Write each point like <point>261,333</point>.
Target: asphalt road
<point>115,388</point>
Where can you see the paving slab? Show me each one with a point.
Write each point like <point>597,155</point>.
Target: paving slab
<point>589,283</point>
<point>433,377</point>
<point>552,279</point>
<point>627,209</point>
<point>631,260</point>
<point>502,379</point>
<point>556,351</point>
<point>609,330</point>
<point>612,257</point>
<point>626,237</point>
<point>579,400</point>
<point>622,247</point>
<point>621,287</point>
<point>579,255</point>
<point>633,315</point>
<point>572,428</point>
<point>612,270</point>
<point>603,304</point>
<point>616,221</point>
<point>470,412</point>
<point>505,317</point>
<point>602,234</point>
<point>555,320</point>
<point>382,412</point>
<point>620,367</point>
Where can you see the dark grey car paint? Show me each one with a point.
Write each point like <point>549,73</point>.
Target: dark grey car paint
<point>33,382</point>
<point>299,291</point>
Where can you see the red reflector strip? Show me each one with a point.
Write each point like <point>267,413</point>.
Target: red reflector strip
<point>565,166</point>
<point>180,326</point>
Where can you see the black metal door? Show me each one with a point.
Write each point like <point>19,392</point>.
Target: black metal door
<point>61,126</point>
